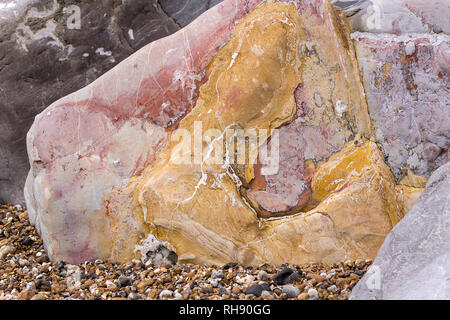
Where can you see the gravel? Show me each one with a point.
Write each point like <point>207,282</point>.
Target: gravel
<point>27,274</point>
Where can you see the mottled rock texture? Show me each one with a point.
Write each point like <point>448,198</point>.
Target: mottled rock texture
<point>407,84</point>
<point>42,60</point>
<point>398,16</point>
<point>104,183</point>
<point>92,142</point>
<point>414,261</point>
<point>185,11</point>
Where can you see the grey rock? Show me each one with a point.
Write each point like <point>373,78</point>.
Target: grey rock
<point>408,98</point>
<point>42,60</point>
<point>159,254</point>
<point>257,289</point>
<point>405,16</point>
<point>291,291</point>
<point>31,286</point>
<point>286,276</point>
<point>185,11</point>
<point>332,289</point>
<point>217,274</point>
<point>414,261</point>
<point>313,294</point>
<point>134,296</point>
<point>263,276</point>
<point>214,282</point>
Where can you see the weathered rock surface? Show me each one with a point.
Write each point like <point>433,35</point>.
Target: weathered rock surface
<point>112,168</point>
<point>330,109</point>
<point>185,11</point>
<point>407,84</point>
<point>398,16</point>
<point>414,261</point>
<point>76,146</point>
<point>42,60</point>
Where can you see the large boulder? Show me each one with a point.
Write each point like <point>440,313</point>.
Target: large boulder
<point>112,170</point>
<point>93,141</point>
<point>414,261</point>
<point>45,55</point>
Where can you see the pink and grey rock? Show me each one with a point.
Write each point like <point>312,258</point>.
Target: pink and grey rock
<point>407,84</point>
<point>94,140</point>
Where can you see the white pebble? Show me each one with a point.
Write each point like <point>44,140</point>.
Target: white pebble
<point>165,294</point>
<point>313,294</point>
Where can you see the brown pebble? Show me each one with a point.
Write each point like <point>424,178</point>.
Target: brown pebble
<point>303,296</point>
<point>236,290</point>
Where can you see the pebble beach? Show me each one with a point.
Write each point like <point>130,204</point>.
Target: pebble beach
<point>26,273</point>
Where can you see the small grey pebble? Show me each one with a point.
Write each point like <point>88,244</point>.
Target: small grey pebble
<point>291,291</point>
<point>332,289</point>
<point>263,276</point>
<point>217,274</point>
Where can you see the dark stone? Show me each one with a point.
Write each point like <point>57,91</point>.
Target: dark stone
<point>294,277</point>
<point>35,72</point>
<point>230,265</point>
<point>185,11</point>
<point>257,289</point>
<point>43,285</point>
<point>222,291</point>
<point>42,259</point>
<point>124,281</point>
<point>359,272</point>
<point>172,257</point>
<point>59,265</point>
<point>286,276</point>
<point>27,242</point>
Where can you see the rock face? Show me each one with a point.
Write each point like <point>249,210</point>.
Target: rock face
<point>78,161</point>
<point>45,56</point>
<point>244,137</point>
<point>408,92</point>
<point>185,11</point>
<point>414,261</point>
<point>398,16</point>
